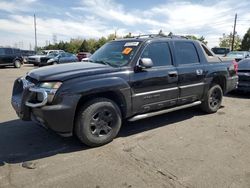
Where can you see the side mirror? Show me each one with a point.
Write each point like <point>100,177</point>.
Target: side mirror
<point>145,63</point>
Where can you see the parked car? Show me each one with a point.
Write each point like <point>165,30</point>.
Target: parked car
<point>244,75</point>
<point>59,58</point>
<point>36,59</point>
<point>11,57</point>
<point>221,52</point>
<point>238,55</point>
<point>128,79</point>
<point>82,55</point>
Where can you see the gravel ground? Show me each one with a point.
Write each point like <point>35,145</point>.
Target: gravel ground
<point>181,149</point>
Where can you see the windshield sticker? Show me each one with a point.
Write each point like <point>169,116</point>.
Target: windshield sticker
<point>131,44</point>
<point>126,51</point>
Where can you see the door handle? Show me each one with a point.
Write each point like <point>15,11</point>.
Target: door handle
<point>172,73</point>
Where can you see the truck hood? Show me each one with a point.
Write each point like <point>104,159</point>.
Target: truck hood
<point>69,70</point>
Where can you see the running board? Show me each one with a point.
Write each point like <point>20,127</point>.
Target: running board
<point>151,114</point>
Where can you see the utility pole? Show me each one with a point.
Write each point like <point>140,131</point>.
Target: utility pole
<point>35,32</point>
<point>235,19</point>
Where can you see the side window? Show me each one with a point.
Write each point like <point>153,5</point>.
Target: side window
<point>2,51</point>
<point>159,52</point>
<point>8,51</point>
<point>186,53</point>
<point>16,51</point>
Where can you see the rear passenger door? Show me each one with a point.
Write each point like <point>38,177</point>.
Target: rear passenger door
<point>8,57</point>
<point>190,72</point>
<point>156,87</point>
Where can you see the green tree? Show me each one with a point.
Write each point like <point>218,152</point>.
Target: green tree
<point>129,35</point>
<point>201,39</point>
<point>245,45</point>
<point>170,34</point>
<point>84,46</point>
<point>226,41</point>
<point>161,33</point>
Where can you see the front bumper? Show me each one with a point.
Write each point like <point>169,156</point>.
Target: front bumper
<point>244,81</point>
<point>59,117</point>
<point>33,61</point>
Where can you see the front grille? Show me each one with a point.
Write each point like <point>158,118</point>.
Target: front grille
<point>244,75</point>
<point>244,78</point>
<point>44,60</point>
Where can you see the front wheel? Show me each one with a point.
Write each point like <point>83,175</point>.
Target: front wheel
<point>213,99</point>
<point>17,63</point>
<point>98,122</point>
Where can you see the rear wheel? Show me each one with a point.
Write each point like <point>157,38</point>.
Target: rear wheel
<point>98,122</point>
<point>17,63</point>
<point>54,63</point>
<point>213,99</point>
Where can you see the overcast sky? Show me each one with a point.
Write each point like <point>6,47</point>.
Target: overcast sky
<point>96,18</point>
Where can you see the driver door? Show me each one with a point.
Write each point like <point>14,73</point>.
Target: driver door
<point>156,87</point>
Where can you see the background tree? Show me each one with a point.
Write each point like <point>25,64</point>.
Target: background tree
<point>201,39</point>
<point>245,45</point>
<point>129,35</point>
<point>84,46</point>
<point>226,41</point>
<point>170,34</point>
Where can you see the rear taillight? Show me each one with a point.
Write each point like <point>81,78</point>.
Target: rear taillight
<point>235,64</point>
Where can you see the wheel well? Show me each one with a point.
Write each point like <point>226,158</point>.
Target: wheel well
<point>221,81</point>
<point>114,96</point>
<point>19,59</point>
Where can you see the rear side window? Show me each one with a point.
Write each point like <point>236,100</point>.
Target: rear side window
<point>159,52</point>
<point>63,55</point>
<point>186,53</point>
<point>8,51</point>
<point>16,51</point>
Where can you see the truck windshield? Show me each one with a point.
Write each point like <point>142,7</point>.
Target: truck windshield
<point>41,53</point>
<point>115,53</point>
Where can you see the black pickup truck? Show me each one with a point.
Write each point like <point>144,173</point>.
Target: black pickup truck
<point>126,79</point>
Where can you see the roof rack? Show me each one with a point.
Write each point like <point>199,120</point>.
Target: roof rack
<point>159,36</point>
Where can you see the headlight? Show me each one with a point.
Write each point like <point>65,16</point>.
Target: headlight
<point>50,85</point>
<point>50,88</point>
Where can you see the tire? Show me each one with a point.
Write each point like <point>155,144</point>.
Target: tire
<point>98,122</point>
<point>213,99</point>
<point>17,63</point>
<point>54,63</point>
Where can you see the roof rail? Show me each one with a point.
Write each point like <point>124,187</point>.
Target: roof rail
<point>159,36</point>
